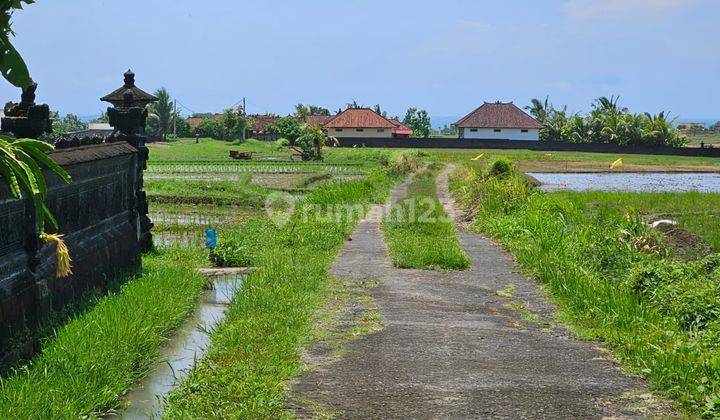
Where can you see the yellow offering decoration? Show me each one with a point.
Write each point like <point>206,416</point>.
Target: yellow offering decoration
<point>62,255</point>
<point>618,163</point>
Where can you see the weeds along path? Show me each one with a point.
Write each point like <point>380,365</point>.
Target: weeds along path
<point>476,343</point>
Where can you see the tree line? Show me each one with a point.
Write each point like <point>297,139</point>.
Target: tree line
<point>607,122</point>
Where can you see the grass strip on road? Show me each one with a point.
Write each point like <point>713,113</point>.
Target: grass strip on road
<point>257,350</point>
<point>94,359</point>
<point>614,280</point>
<point>419,233</point>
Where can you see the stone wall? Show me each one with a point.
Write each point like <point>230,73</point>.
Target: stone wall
<point>96,213</point>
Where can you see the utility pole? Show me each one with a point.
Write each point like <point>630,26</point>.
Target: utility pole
<point>244,115</point>
<point>175,120</point>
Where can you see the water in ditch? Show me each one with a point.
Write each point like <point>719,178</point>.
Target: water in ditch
<point>179,355</point>
<point>630,182</point>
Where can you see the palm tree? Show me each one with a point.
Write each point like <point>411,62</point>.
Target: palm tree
<point>604,103</point>
<point>163,111</point>
<point>540,110</point>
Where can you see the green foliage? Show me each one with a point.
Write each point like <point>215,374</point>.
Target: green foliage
<point>281,144</point>
<point>379,110</point>
<point>608,122</point>
<point>210,128</point>
<point>419,121</point>
<point>160,114</point>
<point>243,250</point>
<point>62,126</point>
<point>21,163</point>
<point>12,65</point>
<point>255,352</point>
<point>288,127</point>
<point>302,110</point>
<point>501,167</point>
<point>402,163</point>
<point>96,358</point>
<point>103,118</point>
<point>311,142</point>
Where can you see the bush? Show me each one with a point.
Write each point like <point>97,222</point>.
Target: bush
<point>281,144</point>
<point>288,127</point>
<point>501,167</point>
<point>403,163</point>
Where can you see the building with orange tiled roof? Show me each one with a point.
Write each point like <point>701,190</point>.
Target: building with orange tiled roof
<point>363,122</point>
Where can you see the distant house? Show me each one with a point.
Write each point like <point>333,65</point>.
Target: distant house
<point>363,122</point>
<point>401,130</point>
<point>260,123</point>
<point>318,120</point>
<point>499,121</point>
<point>195,121</point>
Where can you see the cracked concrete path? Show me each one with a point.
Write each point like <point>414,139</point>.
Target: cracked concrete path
<point>452,347</point>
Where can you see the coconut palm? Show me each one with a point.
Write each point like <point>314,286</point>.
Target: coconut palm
<point>604,103</point>
<point>162,111</point>
<point>540,110</point>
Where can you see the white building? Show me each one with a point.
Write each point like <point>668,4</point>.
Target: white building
<point>499,121</point>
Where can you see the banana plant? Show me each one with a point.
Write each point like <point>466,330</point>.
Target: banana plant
<point>21,166</point>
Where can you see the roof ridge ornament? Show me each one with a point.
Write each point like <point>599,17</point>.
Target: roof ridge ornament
<point>129,79</point>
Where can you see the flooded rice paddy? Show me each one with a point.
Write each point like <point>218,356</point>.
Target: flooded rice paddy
<point>629,182</point>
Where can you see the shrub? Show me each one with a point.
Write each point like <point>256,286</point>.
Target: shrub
<point>281,144</point>
<point>288,127</point>
<point>501,167</point>
<point>403,163</point>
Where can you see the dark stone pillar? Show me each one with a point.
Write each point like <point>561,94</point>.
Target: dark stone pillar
<point>129,123</point>
<point>27,120</point>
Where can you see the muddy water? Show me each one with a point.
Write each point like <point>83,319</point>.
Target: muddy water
<point>630,182</point>
<point>177,358</point>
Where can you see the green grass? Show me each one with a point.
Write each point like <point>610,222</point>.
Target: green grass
<point>186,191</point>
<point>419,233</point>
<point>209,150</point>
<point>94,359</point>
<point>707,138</point>
<point>257,350</point>
<point>696,212</point>
<point>659,316</point>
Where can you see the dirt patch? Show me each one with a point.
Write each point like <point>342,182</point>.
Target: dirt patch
<point>683,243</point>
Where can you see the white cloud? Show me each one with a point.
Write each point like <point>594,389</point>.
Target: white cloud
<point>614,9</point>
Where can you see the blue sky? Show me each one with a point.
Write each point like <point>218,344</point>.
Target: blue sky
<point>447,57</point>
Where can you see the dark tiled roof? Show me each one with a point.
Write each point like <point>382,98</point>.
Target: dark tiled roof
<point>400,126</point>
<point>359,118</point>
<point>195,121</point>
<point>318,120</point>
<point>260,122</point>
<point>498,115</point>
<point>139,95</point>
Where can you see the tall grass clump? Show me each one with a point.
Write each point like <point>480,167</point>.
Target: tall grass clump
<point>94,359</point>
<point>419,233</point>
<point>614,281</point>
<point>257,350</point>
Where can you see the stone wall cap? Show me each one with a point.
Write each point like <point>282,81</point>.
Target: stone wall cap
<point>82,154</point>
